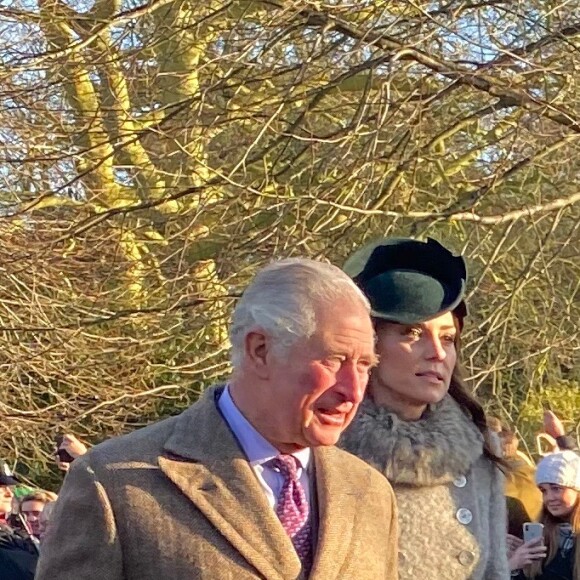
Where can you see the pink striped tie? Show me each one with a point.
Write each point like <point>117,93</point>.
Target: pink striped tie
<point>293,510</point>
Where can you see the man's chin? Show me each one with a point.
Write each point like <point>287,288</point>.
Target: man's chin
<point>324,435</point>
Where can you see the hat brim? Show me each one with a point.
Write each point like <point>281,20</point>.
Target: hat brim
<point>409,281</point>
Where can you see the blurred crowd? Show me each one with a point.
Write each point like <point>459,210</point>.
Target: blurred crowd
<point>25,514</point>
<point>541,494</point>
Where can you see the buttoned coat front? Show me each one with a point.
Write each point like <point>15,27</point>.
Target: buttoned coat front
<point>452,513</point>
<point>178,500</point>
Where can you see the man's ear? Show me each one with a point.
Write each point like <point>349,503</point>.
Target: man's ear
<point>258,352</point>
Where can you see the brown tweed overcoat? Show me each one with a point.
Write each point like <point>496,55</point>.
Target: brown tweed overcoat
<point>179,501</point>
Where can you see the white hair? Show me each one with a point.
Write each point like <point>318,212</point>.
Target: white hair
<point>283,298</point>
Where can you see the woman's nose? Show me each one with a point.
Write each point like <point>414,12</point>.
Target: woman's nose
<point>435,349</point>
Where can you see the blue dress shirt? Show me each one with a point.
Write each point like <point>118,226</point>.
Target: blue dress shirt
<point>260,452</point>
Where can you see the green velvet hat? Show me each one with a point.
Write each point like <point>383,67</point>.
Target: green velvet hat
<point>409,281</point>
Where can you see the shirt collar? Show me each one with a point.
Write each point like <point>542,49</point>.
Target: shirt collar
<point>257,449</point>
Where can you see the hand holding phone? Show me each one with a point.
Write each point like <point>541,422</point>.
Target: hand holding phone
<point>529,552</point>
<point>63,455</point>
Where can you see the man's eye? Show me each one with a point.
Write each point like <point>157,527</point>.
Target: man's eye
<point>365,366</point>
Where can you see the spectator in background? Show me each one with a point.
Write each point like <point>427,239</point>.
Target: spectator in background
<point>32,506</point>
<point>510,447</point>
<point>494,424</point>
<point>6,496</point>
<point>520,484</point>
<point>558,477</point>
<point>18,552</point>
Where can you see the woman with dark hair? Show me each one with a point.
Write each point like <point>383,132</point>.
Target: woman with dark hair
<point>419,425</point>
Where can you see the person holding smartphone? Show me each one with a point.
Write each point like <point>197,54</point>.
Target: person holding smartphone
<point>558,477</point>
<point>419,425</point>
<point>68,448</point>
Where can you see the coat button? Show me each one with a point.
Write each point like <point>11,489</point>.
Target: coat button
<point>460,481</point>
<point>466,558</point>
<point>464,516</point>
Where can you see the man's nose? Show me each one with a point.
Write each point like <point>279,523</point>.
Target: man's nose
<point>352,382</point>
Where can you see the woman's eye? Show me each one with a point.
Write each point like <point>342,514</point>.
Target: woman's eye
<point>414,332</point>
<point>450,338</point>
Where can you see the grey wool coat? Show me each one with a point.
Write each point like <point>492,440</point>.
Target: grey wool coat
<point>179,501</point>
<point>452,514</point>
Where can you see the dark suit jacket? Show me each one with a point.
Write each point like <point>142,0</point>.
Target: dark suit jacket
<point>178,500</point>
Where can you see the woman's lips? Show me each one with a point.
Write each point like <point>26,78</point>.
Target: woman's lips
<point>433,376</point>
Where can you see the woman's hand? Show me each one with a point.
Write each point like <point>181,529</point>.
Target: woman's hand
<point>527,554</point>
<point>513,543</point>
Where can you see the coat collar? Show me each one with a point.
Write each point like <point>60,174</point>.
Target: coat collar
<point>435,450</point>
<point>203,459</point>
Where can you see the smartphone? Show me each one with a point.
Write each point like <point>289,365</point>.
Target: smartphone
<point>62,454</point>
<point>533,530</point>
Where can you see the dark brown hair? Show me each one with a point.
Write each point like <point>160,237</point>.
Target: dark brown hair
<point>460,393</point>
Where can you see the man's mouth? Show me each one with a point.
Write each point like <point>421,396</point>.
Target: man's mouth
<point>332,416</point>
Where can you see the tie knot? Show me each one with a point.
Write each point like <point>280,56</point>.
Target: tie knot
<point>287,464</point>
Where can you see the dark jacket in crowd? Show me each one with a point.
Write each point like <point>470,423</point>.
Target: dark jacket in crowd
<point>18,556</point>
<point>560,568</point>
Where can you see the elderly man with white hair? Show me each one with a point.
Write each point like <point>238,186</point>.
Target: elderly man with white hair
<point>246,483</point>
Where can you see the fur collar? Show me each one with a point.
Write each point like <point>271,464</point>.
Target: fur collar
<point>432,451</point>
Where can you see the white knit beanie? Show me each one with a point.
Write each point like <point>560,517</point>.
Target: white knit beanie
<point>561,468</point>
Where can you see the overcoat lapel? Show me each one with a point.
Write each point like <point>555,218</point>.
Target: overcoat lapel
<point>338,499</point>
<point>202,458</point>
